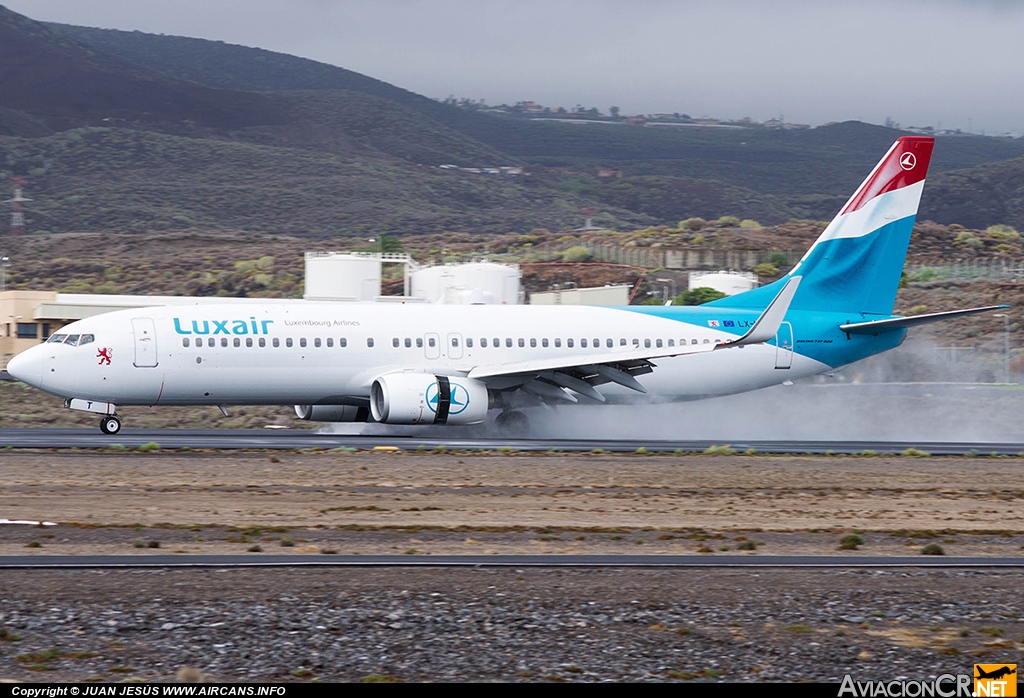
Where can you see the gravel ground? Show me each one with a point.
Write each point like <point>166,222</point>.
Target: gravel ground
<point>507,625</point>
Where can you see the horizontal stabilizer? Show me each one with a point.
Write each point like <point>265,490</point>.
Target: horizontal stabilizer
<point>767,326</point>
<point>879,326</point>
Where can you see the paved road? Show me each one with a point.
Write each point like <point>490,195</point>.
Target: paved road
<point>254,560</point>
<point>286,439</point>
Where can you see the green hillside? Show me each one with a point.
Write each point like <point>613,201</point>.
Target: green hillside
<point>125,180</point>
<point>975,197</point>
<point>244,138</point>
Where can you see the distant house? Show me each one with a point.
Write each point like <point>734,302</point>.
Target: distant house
<point>638,120</point>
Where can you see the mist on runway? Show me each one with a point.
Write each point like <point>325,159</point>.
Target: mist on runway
<point>917,392</point>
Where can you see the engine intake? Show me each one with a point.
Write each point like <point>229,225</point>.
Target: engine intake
<point>422,398</point>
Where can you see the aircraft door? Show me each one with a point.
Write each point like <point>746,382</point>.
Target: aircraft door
<point>145,342</point>
<point>454,346</point>
<point>432,345</point>
<point>784,346</point>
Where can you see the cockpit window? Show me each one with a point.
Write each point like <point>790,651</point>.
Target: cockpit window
<point>86,339</point>
<point>72,339</point>
<point>56,339</point>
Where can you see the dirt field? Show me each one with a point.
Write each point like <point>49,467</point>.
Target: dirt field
<point>373,502</point>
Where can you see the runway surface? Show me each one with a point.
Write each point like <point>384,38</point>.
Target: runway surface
<point>286,439</point>
<point>606,561</point>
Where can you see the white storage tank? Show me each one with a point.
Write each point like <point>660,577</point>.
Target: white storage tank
<point>464,284</point>
<point>617,295</point>
<point>342,276</point>
<point>728,282</point>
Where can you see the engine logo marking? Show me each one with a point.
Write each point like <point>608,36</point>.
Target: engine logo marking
<point>459,398</point>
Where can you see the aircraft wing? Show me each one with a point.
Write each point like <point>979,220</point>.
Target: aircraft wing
<point>579,372</point>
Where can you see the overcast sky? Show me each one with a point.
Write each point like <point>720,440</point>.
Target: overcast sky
<point>948,63</point>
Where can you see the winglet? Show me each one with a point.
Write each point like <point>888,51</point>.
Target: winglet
<point>767,326</point>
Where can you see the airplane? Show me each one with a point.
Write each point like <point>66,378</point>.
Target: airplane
<point>453,365</point>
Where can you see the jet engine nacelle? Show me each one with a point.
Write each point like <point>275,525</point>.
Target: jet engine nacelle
<point>332,413</point>
<point>422,398</point>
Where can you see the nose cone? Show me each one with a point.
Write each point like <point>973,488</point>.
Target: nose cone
<point>28,366</point>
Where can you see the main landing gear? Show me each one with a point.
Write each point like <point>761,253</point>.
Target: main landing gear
<point>110,424</point>
<point>512,423</point>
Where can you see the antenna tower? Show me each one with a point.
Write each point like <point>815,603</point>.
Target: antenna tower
<point>17,215</point>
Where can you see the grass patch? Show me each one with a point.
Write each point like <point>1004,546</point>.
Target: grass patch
<point>7,635</point>
<point>798,628</point>
<point>933,549</point>
<point>38,657</point>
<point>381,678</point>
<point>851,541</point>
<point>151,446</point>
<point>725,450</point>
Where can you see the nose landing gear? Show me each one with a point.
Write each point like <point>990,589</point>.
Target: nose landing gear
<point>110,424</point>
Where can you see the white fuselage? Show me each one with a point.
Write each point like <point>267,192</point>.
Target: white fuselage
<point>330,353</point>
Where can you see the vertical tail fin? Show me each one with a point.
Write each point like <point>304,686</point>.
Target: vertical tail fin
<point>856,263</point>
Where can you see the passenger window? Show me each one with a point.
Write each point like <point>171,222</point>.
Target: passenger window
<point>671,342</point>
<point>199,341</point>
<point>302,341</point>
<point>496,343</point>
<point>597,343</point>
<point>622,342</point>
<point>237,342</point>
<point>288,342</point>
<point>276,342</point>
<point>408,342</point>
<point>522,342</point>
<point>263,341</point>
<point>56,339</point>
<point>483,342</point>
<point>647,344</point>
<point>431,342</point>
<point>248,341</point>
<point>330,342</point>
<point>224,342</point>
<point>316,342</point>
<point>455,341</point>
<point>707,341</point>
<point>568,343</point>
<point>419,342</point>
<point>86,339</point>
<point>184,341</point>
<point>583,343</point>
<point>394,342</point>
<point>72,339</point>
<point>558,342</point>
<point>533,342</point>
<point>693,341</point>
<point>469,342</point>
<point>544,342</point>
<point>508,341</point>
<point>369,342</point>
<point>609,343</point>
<point>343,342</point>
<point>657,343</point>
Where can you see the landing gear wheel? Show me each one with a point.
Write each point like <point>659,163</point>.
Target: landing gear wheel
<point>111,424</point>
<point>512,424</point>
